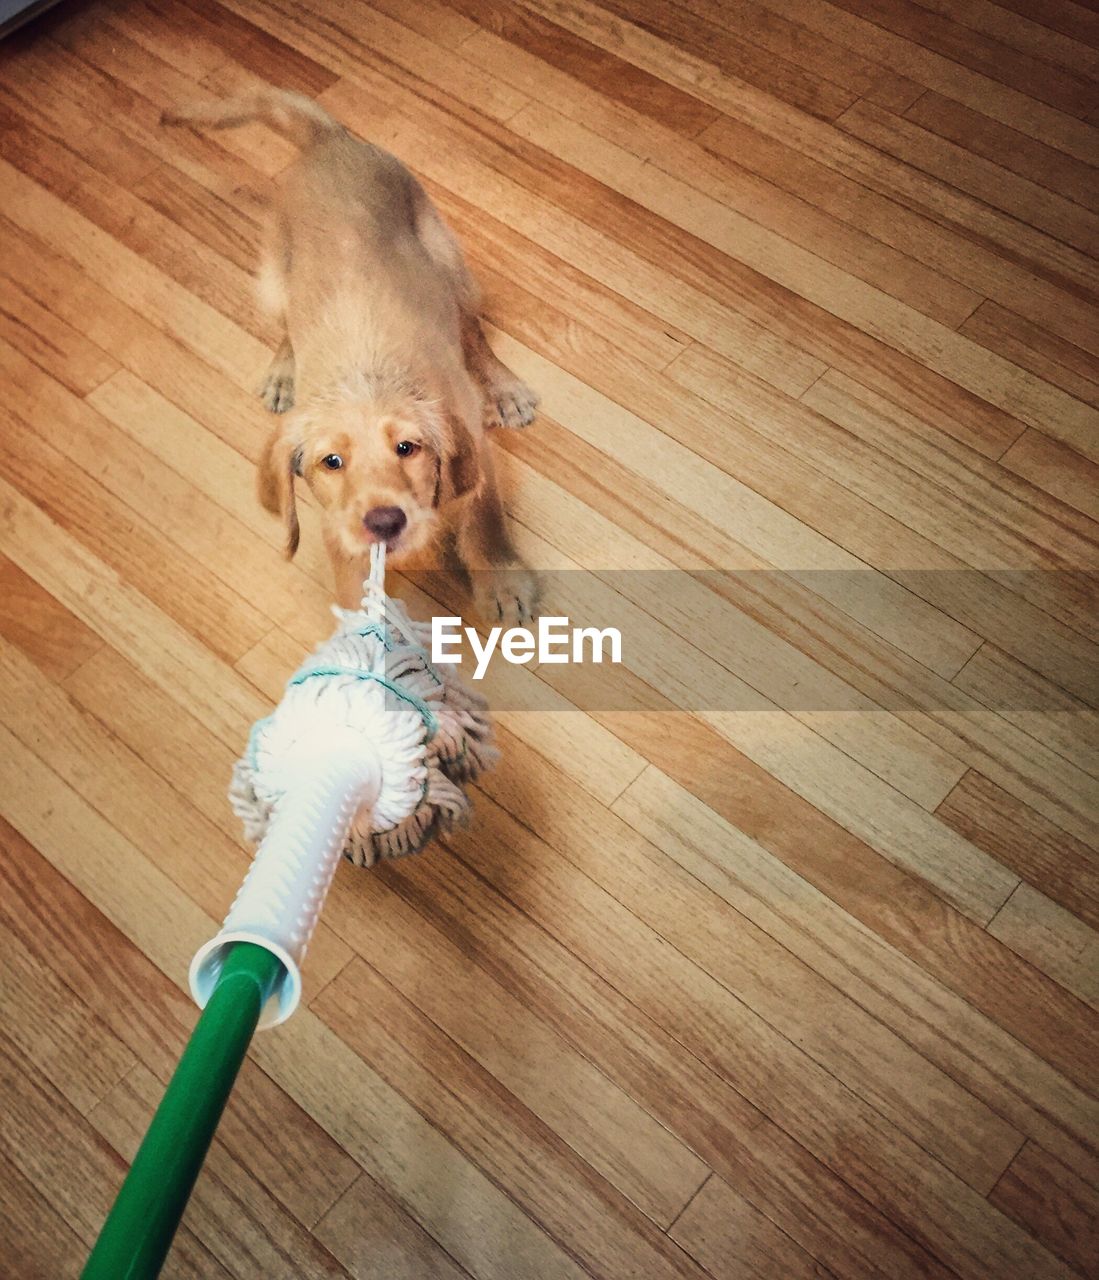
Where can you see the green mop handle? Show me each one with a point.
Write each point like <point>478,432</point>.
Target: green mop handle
<point>257,953</point>
<point>139,1230</point>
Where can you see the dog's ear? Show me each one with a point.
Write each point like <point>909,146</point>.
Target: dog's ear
<point>278,465</point>
<point>459,461</point>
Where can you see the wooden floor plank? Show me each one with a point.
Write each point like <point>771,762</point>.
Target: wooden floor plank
<point>35,1240</point>
<point>927,217</point>
<point>376,1240</point>
<point>51,343</point>
<point>869,309</point>
<point>1044,855</point>
<point>1036,533</point>
<point>1032,36</point>
<point>559,1087</point>
<point>1038,707</point>
<point>970,47</point>
<point>964,504</point>
<point>835,63</point>
<point>137,283</point>
<point>1014,148</point>
<point>87,513</point>
<point>231,412</point>
<point>200,39</point>
<point>1004,104</point>
<point>1073,19</point>
<point>64,1040</point>
<point>120,614</point>
<point>1052,939</point>
<point>730,1237</point>
<point>730,47</point>
<point>1057,469</point>
<point>537,886</point>
<point>111,68</point>
<point>796,215</point>
<point>1058,1208</point>
<point>165,244</point>
<point>551,48</point>
<point>52,637</point>
<point>49,1142</point>
<point>1028,345</point>
<point>954,165</point>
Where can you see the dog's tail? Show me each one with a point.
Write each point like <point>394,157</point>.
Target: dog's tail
<point>294,116</point>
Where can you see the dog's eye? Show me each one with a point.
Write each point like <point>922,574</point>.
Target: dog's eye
<point>332,461</point>
<point>406,448</point>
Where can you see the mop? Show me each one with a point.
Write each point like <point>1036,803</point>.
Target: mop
<point>365,757</point>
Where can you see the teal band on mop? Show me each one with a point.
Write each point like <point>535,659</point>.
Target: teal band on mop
<point>428,716</point>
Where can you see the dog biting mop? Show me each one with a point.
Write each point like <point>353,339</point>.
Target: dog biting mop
<point>365,756</point>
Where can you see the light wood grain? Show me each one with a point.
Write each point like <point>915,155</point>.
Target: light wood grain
<point>732,1238</point>
<point>376,1240</point>
<point>769,952</point>
<point>47,632</point>
<point>37,1243</point>
<point>1052,939</point>
<point>1057,469</point>
<point>1019,838</point>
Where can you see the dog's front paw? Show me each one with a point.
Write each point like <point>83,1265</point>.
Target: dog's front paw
<point>506,596</point>
<point>277,392</point>
<point>510,404</point>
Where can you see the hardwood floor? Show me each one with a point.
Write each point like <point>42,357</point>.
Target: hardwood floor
<point>770,954</point>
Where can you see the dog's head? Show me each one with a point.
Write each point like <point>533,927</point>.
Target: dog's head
<point>380,469</point>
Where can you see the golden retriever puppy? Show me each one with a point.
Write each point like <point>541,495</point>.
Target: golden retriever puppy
<point>383,372</point>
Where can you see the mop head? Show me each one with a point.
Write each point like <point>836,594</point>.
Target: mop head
<point>432,732</point>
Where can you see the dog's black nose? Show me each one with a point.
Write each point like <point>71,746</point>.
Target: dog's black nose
<point>385,522</point>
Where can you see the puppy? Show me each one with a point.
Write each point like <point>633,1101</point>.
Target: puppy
<point>383,372</point>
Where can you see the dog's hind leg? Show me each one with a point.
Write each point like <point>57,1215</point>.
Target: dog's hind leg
<point>508,401</point>
<point>277,389</point>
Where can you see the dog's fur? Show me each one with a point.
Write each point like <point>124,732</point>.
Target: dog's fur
<point>382,345</point>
